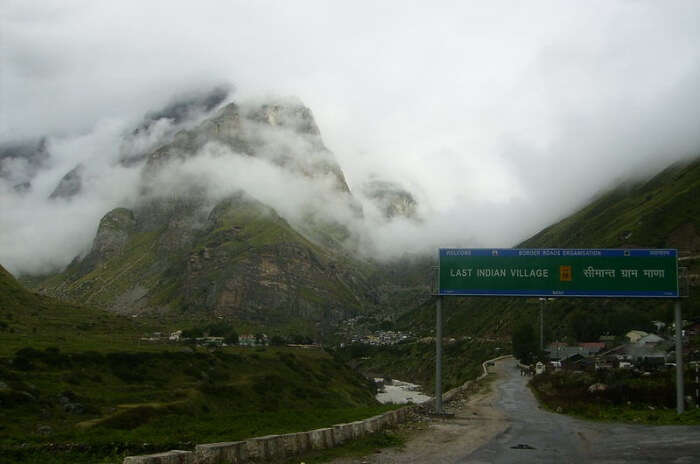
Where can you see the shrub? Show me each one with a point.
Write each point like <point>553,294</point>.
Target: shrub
<point>130,418</point>
<point>23,364</point>
<point>276,340</point>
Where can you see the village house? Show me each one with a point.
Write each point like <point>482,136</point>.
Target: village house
<point>253,340</point>
<point>660,326</point>
<point>634,335</point>
<point>212,341</point>
<point>559,351</point>
<point>651,339</point>
<point>246,340</point>
<point>648,352</point>
<point>693,329</point>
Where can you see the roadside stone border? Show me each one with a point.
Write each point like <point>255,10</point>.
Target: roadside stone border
<point>277,447</point>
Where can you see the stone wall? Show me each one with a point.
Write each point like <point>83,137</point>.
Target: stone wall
<point>275,447</point>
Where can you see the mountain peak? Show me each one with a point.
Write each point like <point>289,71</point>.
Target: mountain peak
<point>289,113</point>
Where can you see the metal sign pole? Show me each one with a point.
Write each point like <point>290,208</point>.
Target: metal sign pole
<point>438,356</point>
<point>680,395</point>
<point>541,325</point>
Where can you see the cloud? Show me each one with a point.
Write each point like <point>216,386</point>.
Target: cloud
<point>500,117</point>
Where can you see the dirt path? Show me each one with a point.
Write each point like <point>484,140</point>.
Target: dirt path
<point>434,440</point>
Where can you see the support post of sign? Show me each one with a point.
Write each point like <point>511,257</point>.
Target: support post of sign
<point>541,325</point>
<point>680,394</point>
<point>438,356</point>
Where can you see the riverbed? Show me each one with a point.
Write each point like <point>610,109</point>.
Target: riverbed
<point>401,393</point>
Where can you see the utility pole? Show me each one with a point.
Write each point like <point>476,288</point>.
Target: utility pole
<point>438,356</point>
<point>680,394</point>
<point>697,386</point>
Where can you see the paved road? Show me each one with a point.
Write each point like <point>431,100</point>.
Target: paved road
<point>546,437</point>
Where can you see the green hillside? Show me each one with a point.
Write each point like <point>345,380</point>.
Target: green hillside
<point>241,261</point>
<point>660,212</point>
<point>80,385</point>
<point>29,319</point>
<point>186,252</point>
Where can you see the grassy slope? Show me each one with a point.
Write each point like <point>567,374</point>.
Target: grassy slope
<point>77,379</point>
<point>642,214</point>
<point>29,319</point>
<point>663,211</point>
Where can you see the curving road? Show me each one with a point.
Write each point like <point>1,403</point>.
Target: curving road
<point>537,436</point>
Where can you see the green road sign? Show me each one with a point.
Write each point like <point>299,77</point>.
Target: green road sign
<point>559,272</point>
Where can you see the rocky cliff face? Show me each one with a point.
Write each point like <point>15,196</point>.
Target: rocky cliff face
<point>20,161</point>
<point>242,260</point>
<point>235,256</point>
<point>70,184</point>
<point>283,133</point>
<point>392,200</point>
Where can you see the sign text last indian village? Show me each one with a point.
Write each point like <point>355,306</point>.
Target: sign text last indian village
<point>559,272</point>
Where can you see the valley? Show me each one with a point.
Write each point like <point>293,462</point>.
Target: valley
<point>209,271</point>
<point>91,381</point>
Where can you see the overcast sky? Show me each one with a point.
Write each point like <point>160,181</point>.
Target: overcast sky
<point>500,117</point>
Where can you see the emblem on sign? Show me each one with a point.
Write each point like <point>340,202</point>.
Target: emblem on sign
<point>565,274</point>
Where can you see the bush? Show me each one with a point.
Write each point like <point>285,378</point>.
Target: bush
<point>23,364</point>
<point>277,341</point>
<point>195,332</point>
<point>130,418</point>
<point>272,383</point>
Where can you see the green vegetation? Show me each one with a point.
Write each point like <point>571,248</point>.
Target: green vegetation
<point>89,393</point>
<point>525,343</point>
<point>662,211</point>
<point>625,396</point>
<point>649,213</point>
<point>29,319</point>
<point>214,329</point>
<point>415,362</point>
<point>244,261</point>
<point>120,401</point>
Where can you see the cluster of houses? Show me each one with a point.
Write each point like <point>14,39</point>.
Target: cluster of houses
<point>638,349</point>
<point>382,338</point>
<point>243,340</point>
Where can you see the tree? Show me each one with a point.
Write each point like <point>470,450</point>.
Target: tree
<point>525,342</point>
<point>622,320</point>
<point>301,340</point>
<point>195,332</point>
<point>583,325</point>
<point>231,338</point>
<point>276,340</point>
<point>218,329</point>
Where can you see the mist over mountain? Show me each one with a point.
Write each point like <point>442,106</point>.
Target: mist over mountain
<point>200,152</point>
<point>244,213</point>
<point>20,160</point>
<point>497,119</point>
